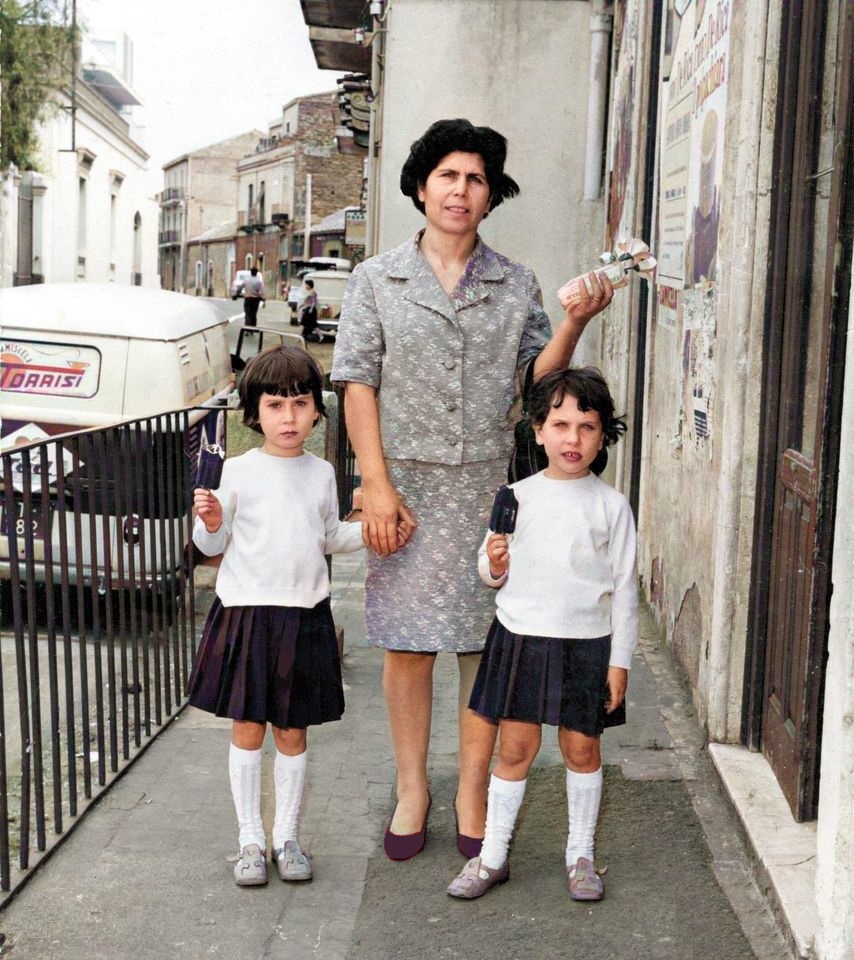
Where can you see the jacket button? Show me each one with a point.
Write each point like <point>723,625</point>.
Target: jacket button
<point>449,364</point>
<point>450,405</point>
<point>452,441</point>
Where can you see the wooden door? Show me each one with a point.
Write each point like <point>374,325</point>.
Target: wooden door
<point>809,280</point>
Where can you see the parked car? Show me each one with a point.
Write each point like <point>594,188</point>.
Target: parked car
<point>81,355</point>
<point>239,279</point>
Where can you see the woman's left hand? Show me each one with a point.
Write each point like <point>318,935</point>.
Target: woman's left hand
<point>598,294</point>
<point>617,682</point>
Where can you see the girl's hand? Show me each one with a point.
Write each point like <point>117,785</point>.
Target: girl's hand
<point>498,552</point>
<point>617,682</point>
<point>386,523</point>
<point>208,508</point>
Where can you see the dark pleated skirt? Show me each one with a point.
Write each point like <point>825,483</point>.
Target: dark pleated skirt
<point>545,680</point>
<point>274,665</point>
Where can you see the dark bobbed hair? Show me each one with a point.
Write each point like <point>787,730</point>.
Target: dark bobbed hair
<point>446,136</point>
<point>591,392</point>
<point>281,372</point>
<point>308,283</point>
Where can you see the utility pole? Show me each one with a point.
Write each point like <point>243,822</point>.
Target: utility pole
<point>306,239</point>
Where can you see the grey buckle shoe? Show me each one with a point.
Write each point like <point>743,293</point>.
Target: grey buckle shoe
<point>292,861</point>
<point>585,882</point>
<point>251,869</point>
<point>475,879</point>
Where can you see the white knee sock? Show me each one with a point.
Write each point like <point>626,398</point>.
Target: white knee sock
<point>244,771</point>
<point>583,795</point>
<point>505,798</point>
<point>289,774</point>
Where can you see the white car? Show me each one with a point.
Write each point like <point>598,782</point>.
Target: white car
<point>239,279</point>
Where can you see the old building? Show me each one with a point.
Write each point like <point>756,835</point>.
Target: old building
<point>724,133</point>
<point>294,174</point>
<point>83,213</point>
<point>199,194</point>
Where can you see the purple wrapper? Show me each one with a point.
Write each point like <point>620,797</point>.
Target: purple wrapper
<point>209,472</point>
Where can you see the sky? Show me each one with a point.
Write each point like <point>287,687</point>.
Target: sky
<point>206,71</point>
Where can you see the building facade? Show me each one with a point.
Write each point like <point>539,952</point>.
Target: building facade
<point>724,133</point>
<point>83,214</point>
<point>199,194</point>
<point>294,175</point>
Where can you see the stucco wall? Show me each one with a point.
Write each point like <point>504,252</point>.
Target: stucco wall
<point>113,153</point>
<point>520,67</point>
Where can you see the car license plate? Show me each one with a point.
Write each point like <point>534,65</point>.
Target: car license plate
<point>35,520</point>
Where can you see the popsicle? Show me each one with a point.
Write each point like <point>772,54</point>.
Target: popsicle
<point>504,509</point>
<point>209,472</point>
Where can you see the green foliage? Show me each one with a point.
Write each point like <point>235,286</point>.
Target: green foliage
<point>36,57</point>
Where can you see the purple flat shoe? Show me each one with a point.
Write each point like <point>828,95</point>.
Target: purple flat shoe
<point>469,847</point>
<point>403,846</point>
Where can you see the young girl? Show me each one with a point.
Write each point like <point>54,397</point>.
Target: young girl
<point>560,647</point>
<point>268,652</point>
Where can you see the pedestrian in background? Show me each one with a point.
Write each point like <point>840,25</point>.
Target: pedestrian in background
<point>432,339</point>
<point>308,311</point>
<point>253,296</point>
<point>566,625</point>
<point>268,652</point>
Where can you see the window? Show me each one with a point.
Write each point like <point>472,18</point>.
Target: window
<point>200,274</point>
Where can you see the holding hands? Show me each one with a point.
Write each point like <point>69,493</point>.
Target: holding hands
<point>386,523</point>
<point>208,508</point>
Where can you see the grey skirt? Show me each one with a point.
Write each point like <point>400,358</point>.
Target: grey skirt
<point>428,597</point>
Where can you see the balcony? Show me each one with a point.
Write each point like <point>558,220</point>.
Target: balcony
<point>251,220</point>
<point>171,196</point>
<point>168,238</point>
<point>330,31</point>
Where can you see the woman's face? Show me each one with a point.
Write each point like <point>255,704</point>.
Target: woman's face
<point>456,193</point>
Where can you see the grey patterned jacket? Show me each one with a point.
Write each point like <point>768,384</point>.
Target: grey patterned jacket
<point>445,367</point>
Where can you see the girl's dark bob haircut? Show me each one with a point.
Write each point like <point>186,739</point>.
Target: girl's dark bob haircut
<point>446,136</point>
<point>281,372</point>
<point>591,392</point>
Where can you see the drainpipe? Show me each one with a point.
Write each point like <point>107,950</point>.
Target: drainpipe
<point>379,12</point>
<point>600,38</point>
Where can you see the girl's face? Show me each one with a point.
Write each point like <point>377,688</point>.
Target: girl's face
<point>572,438</point>
<point>456,193</point>
<point>286,422</point>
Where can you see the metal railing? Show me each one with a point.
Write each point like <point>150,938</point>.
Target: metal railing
<point>99,615</point>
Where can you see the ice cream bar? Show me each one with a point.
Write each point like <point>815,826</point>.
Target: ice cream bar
<point>209,472</point>
<point>503,519</point>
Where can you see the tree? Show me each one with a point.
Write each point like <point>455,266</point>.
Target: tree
<point>37,46</point>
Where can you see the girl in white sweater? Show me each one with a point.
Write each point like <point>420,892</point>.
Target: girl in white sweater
<point>560,647</point>
<point>268,652</point>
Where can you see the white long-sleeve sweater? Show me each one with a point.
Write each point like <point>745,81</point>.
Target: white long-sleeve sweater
<point>280,519</point>
<point>573,567</point>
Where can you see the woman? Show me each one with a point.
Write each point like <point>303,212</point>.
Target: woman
<point>308,311</point>
<point>445,325</point>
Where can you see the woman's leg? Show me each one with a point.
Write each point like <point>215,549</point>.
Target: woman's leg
<point>408,686</point>
<point>477,743</point>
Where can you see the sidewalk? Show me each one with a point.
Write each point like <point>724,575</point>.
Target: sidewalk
<point>145,876</point>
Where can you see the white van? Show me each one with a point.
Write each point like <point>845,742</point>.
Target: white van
<point>83,355</point>
<point>329,285</point>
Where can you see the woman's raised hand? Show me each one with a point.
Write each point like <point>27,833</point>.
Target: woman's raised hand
<point>596,293</point>
<point>386,523</point>
<point>208,508</point>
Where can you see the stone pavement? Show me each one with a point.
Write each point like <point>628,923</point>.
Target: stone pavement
<point>144,875</point>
